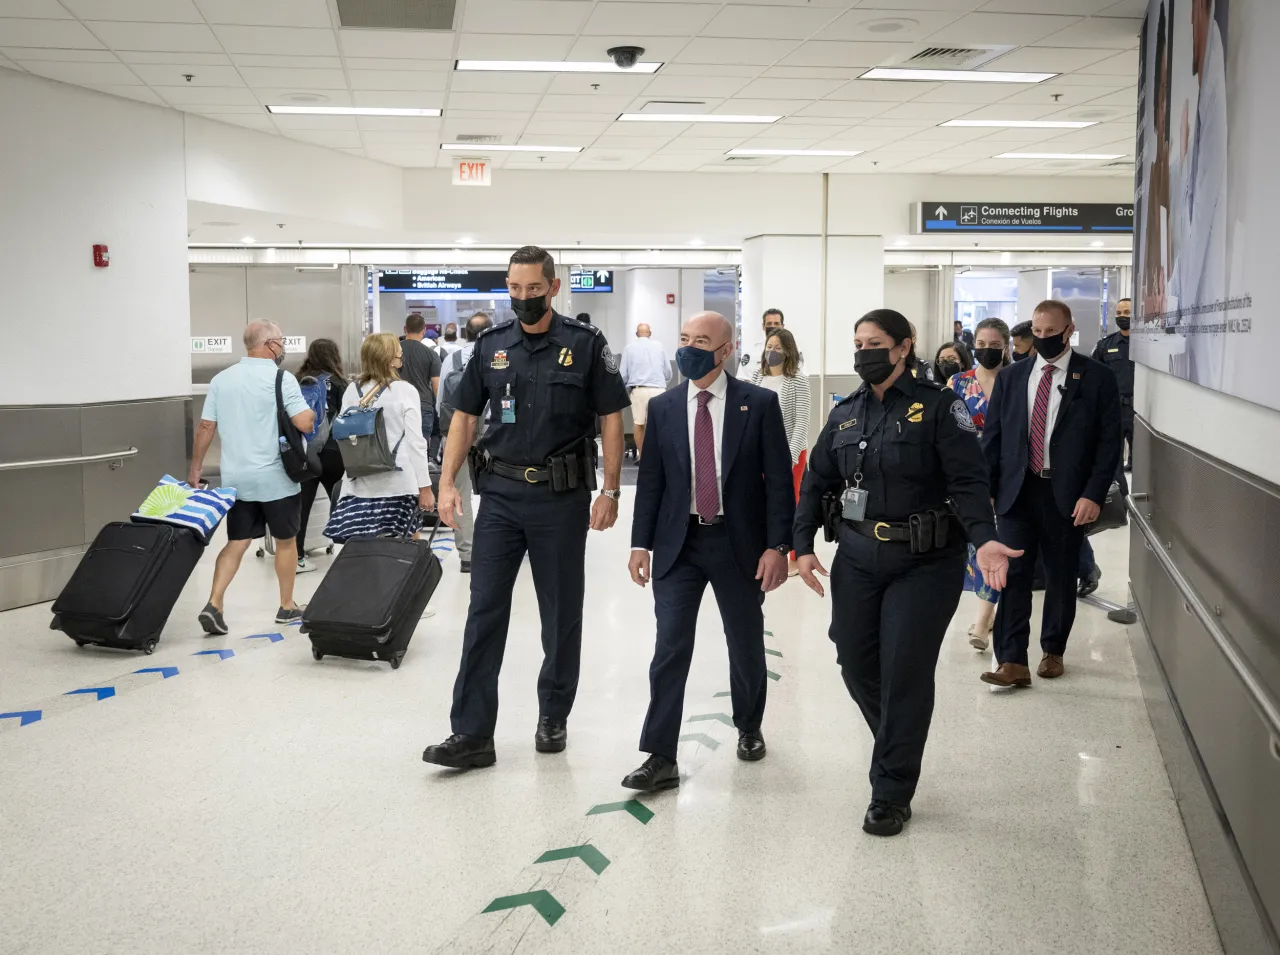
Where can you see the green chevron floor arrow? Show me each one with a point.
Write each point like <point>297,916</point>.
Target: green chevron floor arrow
<point>542,901</point>
<point>723,693</point>
<point>719,717</point>
<point>595,859</point>
<point>772,653</point>
<point>701,738</point>
<point>772,675</point>
<point>634,806</point>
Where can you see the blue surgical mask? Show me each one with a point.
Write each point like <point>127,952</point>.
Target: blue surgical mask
<point>695,363</point>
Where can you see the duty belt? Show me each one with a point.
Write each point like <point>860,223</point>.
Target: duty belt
<point>927,531</point>
<point>882,530</point>
<point>513,472</point>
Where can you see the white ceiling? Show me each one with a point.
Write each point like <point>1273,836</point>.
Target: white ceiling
<point>797,58</point>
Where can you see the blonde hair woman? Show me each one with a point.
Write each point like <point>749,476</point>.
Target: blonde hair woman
<point>390,503</point>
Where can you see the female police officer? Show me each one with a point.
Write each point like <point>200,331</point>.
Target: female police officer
<point>904,483</point>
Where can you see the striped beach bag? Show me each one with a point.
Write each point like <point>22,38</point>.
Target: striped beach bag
<point>176,502</point>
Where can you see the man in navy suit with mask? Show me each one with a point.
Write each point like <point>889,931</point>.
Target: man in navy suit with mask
<point>714,505</point>
<point>1052,441</point>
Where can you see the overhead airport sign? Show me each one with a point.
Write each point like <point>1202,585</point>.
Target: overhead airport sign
<point>590,280</point>
<point>482,282</point>
<point>472,172</point>
<point>1062,217</point>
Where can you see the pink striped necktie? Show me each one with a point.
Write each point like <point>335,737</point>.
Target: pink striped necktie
<point>1040,421</point>
<point>707,493</point>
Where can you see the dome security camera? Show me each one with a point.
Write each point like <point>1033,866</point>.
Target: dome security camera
<point>625,56</point>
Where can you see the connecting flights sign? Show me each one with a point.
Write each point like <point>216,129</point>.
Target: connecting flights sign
<point>1062,217</point>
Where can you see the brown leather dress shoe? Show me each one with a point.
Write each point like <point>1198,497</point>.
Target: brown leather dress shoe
<point>1051,667</point>
<point>1008,674</point>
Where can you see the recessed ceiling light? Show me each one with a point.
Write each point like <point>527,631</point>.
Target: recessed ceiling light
<point>694,118</point>
<point>553,66</point>
<point>1019,123</point>
<point>247,240</point>
<point>959,76</point>
<point>350,111</point>
<point>888,25</point>
<point>481,150</point>
<point>747,151</point>
<point>1059,156</point>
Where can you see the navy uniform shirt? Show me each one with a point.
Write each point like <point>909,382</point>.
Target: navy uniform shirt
<point>1113,351</point>
<point>922,450</point>
<point>560,381</point>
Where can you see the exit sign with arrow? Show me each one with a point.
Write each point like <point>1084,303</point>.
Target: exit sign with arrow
<point>590,280</point>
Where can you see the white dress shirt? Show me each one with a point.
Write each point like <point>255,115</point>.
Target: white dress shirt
<point>1059,366</point>
<point>645,364</point>
<point>715,407</point>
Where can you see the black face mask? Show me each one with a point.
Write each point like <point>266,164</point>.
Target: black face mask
<point>1050,347</point>
<point>946,369</point>
<point>1021,355</point>
<point>529,310</point>
<point>989,358</point>
<point>873,365</point>
<point>1122,322</point>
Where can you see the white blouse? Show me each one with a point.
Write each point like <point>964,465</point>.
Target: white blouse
<point>402,416</point>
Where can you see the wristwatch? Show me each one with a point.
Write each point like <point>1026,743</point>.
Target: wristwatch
<point>615,495</point>
<point>782,549</point>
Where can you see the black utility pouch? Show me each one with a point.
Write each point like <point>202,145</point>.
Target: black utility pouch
<point>571,470</point>
<point>921,526</point>
<point>831,511</point>
<point>941,528</point>
<point>558,480</point>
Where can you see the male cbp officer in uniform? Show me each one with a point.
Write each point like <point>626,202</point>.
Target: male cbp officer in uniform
<point>1113,351</point>
<point>545,379</point>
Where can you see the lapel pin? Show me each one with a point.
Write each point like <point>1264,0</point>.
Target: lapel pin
<point>743,408</point>
<point>1075,374</point>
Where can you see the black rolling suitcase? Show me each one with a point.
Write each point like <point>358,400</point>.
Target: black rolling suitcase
<point>372,598</point>
<point>126,584</point>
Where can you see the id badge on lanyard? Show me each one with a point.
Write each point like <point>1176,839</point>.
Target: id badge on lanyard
<point>853,502</point>
<point>508,406</point>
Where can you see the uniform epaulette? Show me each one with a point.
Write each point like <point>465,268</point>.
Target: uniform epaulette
<point>594,329</point>
<point>493,328</point>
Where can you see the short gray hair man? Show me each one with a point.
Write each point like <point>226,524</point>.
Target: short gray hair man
<point>258,333</point>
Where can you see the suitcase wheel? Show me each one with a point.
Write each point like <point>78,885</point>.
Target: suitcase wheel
<point>149,647</point>
<point>395,660</point>
<point>80,643</point>
<point>329,549</point>
<point>259,552</point>
<point>316,654</point>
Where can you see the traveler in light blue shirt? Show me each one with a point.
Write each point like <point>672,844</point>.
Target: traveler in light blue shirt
<point>241,409</point>
<point>645,371</point>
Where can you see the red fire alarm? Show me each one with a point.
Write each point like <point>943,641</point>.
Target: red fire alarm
<point>101,257</point>
<point>671,298</point>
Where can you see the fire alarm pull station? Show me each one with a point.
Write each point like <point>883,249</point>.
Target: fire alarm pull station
<point>101,257</point>
<point>671,298</point>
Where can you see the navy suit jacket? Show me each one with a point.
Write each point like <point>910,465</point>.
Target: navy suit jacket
<point>759,495</point>
<point>1084,448</point>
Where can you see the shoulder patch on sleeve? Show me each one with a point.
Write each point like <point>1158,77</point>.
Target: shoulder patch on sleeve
<point>610,359</point>
<point>961,413</point>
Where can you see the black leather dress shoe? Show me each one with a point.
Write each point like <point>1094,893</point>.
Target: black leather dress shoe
<point>1089,584</point>
<point>751,746</point>
<point>461,752</point>
<point>885,819</point>
<point>552,736</point>
<point>656,773</point>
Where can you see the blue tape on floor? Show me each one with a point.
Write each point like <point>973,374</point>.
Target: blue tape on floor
<point>165,672</point>
<point>103,692</point>
<point>24,717</point>
<point>220,654</point>
<point>273,637</point>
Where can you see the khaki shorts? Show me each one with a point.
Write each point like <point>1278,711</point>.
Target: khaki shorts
<point>640,403</point>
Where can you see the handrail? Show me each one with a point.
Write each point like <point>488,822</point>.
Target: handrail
<point>59,462</point>
<point>1260,696</point>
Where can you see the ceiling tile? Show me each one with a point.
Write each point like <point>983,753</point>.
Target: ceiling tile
<point>59,34</point>
<point>737,52</point>
<point>507,46</point>
<point>1122,64</point>
<point>1080,8</point>
<point>333,139</point>
<point>311,79</point>
<point>206,95</point>
<point>609,84</point>
<point>287,95</point>
<point>291,62</point>
<point>143,94</point>
<point>561,103</point>
<point>399,99</point>
<point>174,59</point>
<point>865,23</point>
<point>656,48</point>
<point>812,73</point>
<point>761,107</point>
<point>745,72</point>
<point>287,41</point>
<point>166,37</point>
<point>1115,33</point>
<point>846,53</point>
<point>939,112</point>
<point>405,80</point>
<point>1128,8</point>
<point>459,117</point>
<point>790,89</point>
<point>965,93</point>
<point>583,129</point>
<point>34,9</point>
<point>401,44</point>
<point>248,120</point>
<point>692,87</point>
<point>157,74</point>
<point>852,109</point>
<point>525,16</point>
<point>332,123</point>
<point>1003,110</point>
<point>1047,59</point>
<point>150,11</point>
<point>885,91</point>
<point>8,64</point>
<point>66,56</point>
<point>380,63</point>
<point>765,22</point>
<point>284,13</point>
<point>494,101</point>
<point>675,19</point>
<point>84,74</point>
<point>400,137</point>
<point>990,28</point>
<point>630,142</point>
<point>402,157</point>
<point>254,108</point>
<point>493,82</point>
<point>711,144</point>
<point>403,124</point>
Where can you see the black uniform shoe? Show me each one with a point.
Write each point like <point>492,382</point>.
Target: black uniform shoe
<point>1089,584</point>
<point>461,752</point>
<point>885,819</point>
<point>751,746</point>
<point>552,736</point>
<point>656,773</point>
<point>466,566</point>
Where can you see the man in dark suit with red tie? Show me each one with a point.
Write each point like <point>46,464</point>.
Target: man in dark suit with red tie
<point>715,504</point>
<point>1052,441</point>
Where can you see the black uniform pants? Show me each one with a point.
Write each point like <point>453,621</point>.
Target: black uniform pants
<point>706,558</point>
<point>515,518</point>
<point>330,476</point>
<point>1126,436</point>
<point>889,612</point>
<point>1035,525</point>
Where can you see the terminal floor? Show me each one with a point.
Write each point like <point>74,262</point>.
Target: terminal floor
<point>266,803</point>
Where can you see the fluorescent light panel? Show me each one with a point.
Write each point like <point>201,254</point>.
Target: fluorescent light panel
<point>350,111</point>
<point>746,151</point>
<point>552,66</point>
<point>482,148</point>
<point>694,118</point>
<point>1018,124</point>
<point>1059,156</point>
<point>956,76</point>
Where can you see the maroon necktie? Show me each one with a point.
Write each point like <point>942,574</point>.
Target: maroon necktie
<point>704,460</point>
<point>1040,420</point>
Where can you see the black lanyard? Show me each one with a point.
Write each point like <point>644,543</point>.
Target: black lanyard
<point>865,439</point>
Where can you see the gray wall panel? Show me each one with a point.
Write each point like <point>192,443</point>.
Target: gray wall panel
<point>157,429</point>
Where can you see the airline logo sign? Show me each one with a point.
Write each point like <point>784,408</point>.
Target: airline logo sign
<point>213,344</point>
<point>472,172</point>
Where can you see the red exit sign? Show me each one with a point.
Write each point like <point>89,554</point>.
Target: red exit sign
<point>472,172</point>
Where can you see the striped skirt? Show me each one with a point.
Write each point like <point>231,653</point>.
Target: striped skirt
<point>373,517</point>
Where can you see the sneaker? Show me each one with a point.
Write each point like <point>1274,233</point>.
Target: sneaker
<point>287,615</point>
<point>305,566</point>
<point>466,566</point>
<point>211,620</point>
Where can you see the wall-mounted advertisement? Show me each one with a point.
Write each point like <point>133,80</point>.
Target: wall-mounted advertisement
<point>1207,197</point>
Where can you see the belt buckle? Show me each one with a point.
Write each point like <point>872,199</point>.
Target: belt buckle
<point>705,523</point>
<point>529,480</point>
<point>876,531</point>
